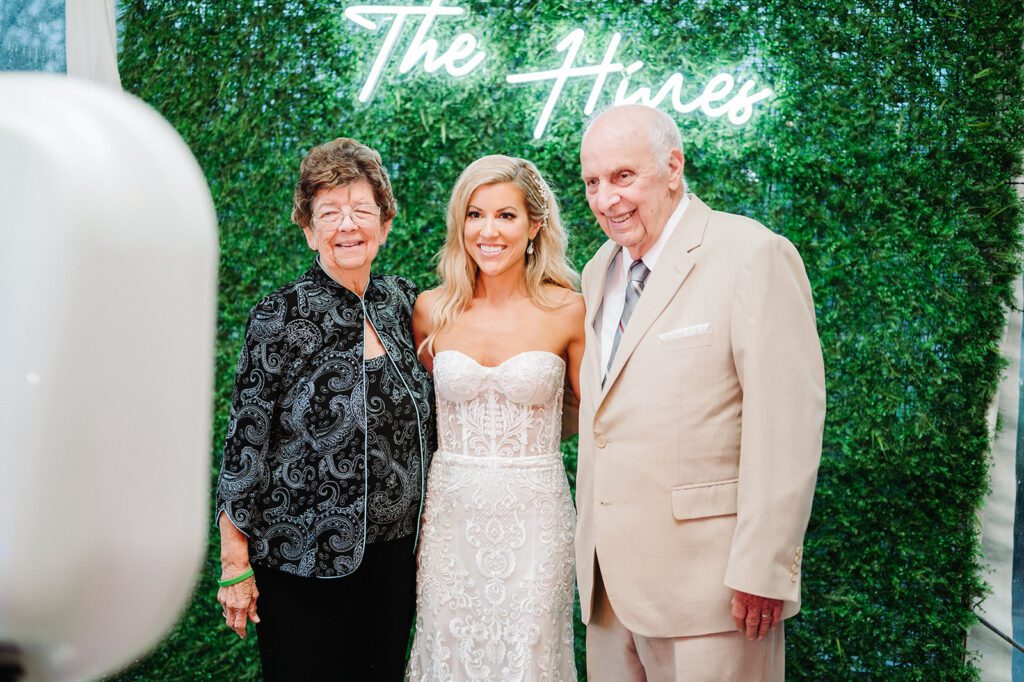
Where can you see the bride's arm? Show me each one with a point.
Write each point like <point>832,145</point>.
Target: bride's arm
<point>573,316</point>
<point>575,319</point>
<point>421,326</point>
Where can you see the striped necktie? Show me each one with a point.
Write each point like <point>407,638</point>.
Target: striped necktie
<point>634,287</point>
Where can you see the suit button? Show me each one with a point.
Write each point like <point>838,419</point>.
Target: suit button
<point>600,441</point>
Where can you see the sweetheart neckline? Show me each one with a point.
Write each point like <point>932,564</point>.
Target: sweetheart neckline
<point>503,362</point>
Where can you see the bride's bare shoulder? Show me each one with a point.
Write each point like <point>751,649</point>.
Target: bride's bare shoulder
<point>421,311</point>
<point>567,301</point>
<point>428,296</point>
<point>426,300</point>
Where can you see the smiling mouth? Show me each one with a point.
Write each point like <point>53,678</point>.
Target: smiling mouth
<point>490,249</point>
<point>349,245</point>
<point>618,220</point>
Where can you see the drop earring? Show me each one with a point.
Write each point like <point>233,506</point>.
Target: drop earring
<point>529,248</point>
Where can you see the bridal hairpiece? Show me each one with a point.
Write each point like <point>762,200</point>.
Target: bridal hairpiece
<point>543,191</point>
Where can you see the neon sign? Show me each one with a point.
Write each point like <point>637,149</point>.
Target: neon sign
<point>719,96</point>
<point>464,47</point>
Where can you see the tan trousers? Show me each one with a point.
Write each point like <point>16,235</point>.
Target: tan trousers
<point>614,654</point>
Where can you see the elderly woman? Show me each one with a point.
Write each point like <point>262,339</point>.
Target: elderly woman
<point>321,485</point>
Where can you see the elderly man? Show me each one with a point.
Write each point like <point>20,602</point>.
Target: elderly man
<point>700,421</point>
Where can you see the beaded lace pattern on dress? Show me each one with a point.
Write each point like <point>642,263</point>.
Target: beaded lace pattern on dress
<point>495,580</point>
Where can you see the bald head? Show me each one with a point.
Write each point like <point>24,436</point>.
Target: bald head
<point>659,128</point>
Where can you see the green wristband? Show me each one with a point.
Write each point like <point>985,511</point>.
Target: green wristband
<point>237,579</point>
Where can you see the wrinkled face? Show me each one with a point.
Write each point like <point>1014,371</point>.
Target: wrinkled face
<point>631,194</point>
<point>346,229</point>
<point>498,228</point>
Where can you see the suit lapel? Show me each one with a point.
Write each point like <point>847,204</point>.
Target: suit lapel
<point>602,261</point>
<point>674,265</point>
<point>593,302</point>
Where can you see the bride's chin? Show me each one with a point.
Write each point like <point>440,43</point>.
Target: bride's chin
<point>490,269</point>
<point>493,268</point>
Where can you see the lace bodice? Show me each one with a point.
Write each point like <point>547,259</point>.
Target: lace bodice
<point>511,410</point>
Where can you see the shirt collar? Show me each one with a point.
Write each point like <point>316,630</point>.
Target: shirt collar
<point>321,275</point>
<point>650,258</point>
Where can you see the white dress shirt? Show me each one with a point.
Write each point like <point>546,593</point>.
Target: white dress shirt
<point>607,319</point>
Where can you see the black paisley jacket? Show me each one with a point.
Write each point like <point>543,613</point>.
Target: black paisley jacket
<point>293,476</point>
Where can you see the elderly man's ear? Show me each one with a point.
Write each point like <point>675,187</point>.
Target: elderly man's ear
<point>676,161</point>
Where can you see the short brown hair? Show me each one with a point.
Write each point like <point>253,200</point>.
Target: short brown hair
<point>337,163</point>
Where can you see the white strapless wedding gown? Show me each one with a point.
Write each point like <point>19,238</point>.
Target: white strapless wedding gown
<point>494,588</point>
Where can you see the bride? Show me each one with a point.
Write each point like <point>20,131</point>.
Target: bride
<point>502,333</point>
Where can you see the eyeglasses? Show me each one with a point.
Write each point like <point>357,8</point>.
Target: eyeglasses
<point>363,215</point>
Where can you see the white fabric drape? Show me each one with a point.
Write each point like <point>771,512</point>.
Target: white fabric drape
<point>91,40</point>
<point>997,515</point>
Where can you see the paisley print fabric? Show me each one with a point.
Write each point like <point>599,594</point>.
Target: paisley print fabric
<point>393,501</point>
<point>294,475</point>
<point>495,582</point>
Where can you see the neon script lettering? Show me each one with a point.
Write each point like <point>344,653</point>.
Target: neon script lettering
<point>463,48</point>
<point>719,96</point>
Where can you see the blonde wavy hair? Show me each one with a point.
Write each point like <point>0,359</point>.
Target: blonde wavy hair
<point>457,271</point>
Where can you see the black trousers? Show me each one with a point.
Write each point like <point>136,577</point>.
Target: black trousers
<point>351,628</point>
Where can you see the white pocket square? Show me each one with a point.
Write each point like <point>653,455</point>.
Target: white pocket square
<point>692,330</point>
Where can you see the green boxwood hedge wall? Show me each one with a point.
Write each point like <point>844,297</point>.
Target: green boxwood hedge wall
<point>885,154</point>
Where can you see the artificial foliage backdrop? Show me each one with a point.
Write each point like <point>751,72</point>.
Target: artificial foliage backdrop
<point>885,153</point>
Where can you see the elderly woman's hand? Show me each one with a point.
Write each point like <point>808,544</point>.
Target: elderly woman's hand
<point>238,601</point>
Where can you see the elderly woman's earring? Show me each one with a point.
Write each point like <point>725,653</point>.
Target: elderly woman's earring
<point>529,248</point>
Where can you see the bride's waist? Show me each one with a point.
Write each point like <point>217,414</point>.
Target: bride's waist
<point>516,460</point>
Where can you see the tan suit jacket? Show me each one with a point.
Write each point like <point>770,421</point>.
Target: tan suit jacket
<point>698,457</point>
